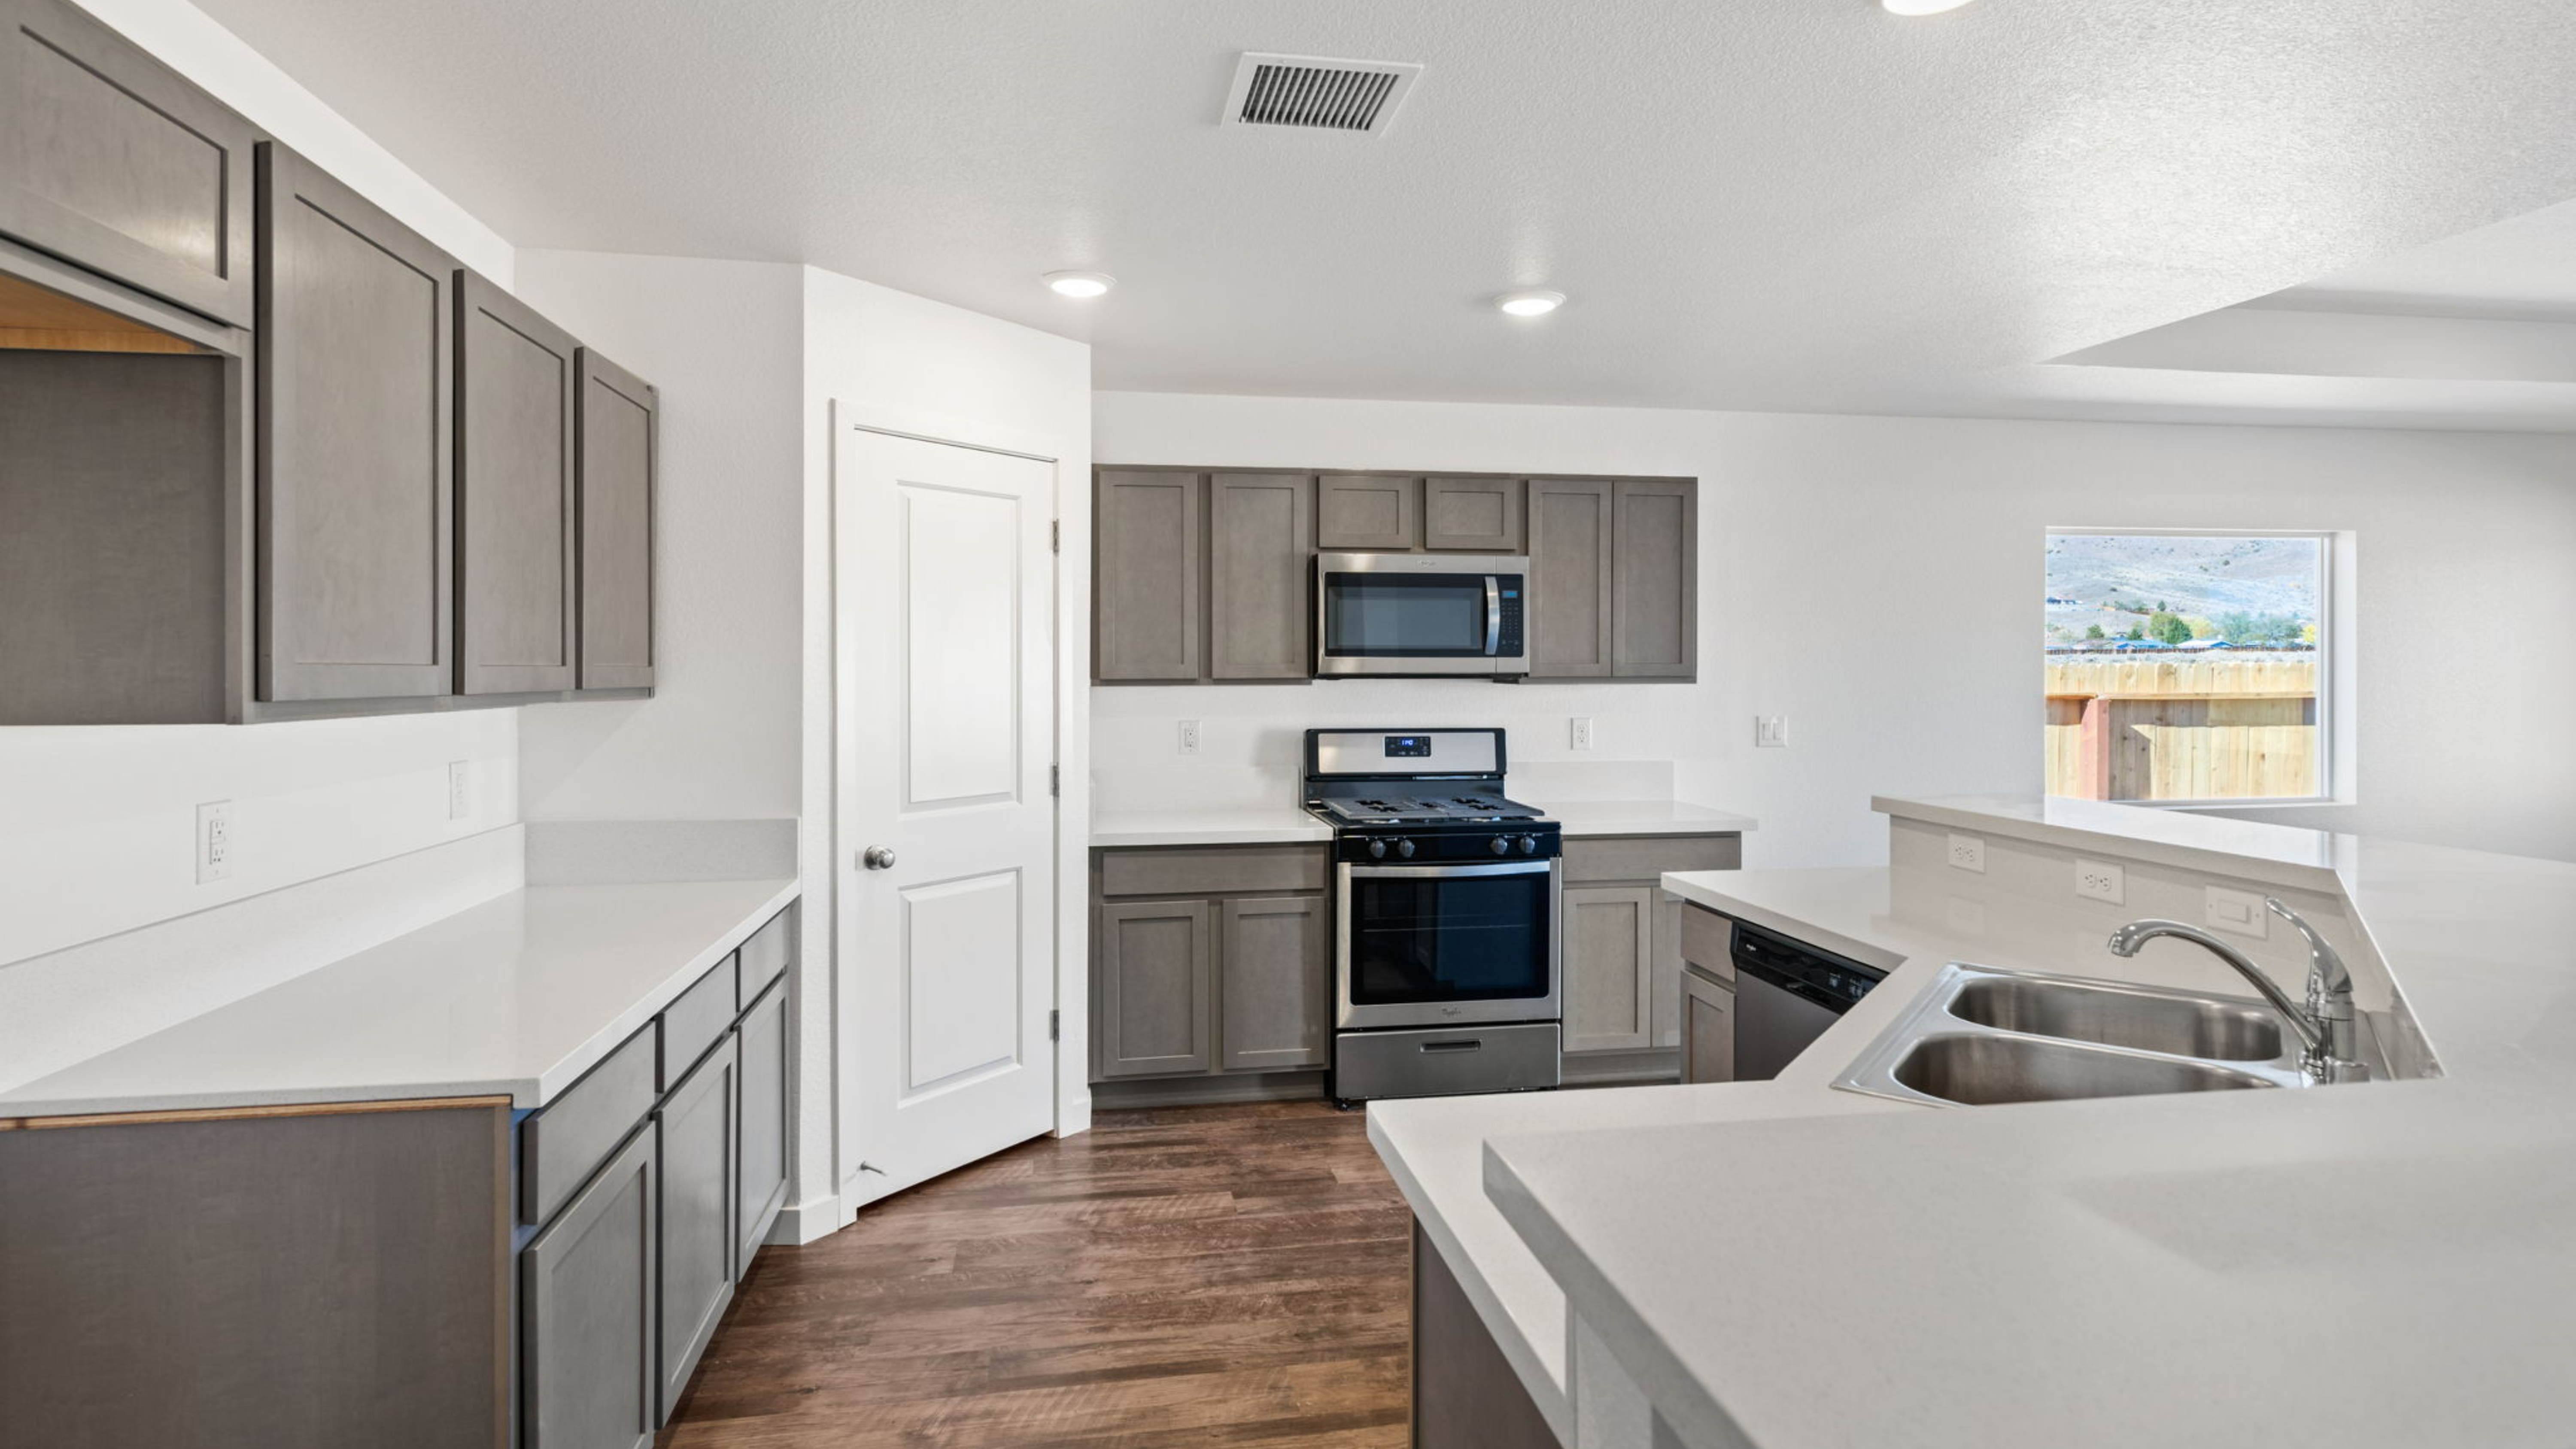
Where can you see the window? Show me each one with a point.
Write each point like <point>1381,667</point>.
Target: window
<point>2186,666</point>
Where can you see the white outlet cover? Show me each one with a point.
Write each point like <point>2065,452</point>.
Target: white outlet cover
<point>1968,852</point>
<point>1189,737</point>
<point>214,841</point>
<point>1579,735</point>
<point>2099,880</point>
<point>459,797</point>
<point>2239,913</point>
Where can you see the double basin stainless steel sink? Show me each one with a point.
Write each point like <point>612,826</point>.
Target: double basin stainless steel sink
<point>1982,1036</point>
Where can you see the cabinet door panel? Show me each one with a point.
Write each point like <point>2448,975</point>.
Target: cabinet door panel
<point>619,452</point>
<point>1708,1030</point>
<point>514,493</point>
<point>1654,631</point>
<point>1148,595</point>
<point>355,499</point>
<point>1275,983</point>
<point>1668,971</point>
<point>696,1124</point>
<point>1366,510</point>
<point>1609,968</point>
<point>586,1288</point>
<point>1483,515</point>
<point>1154,971</point>
<point>1261,560</point>
<point>760,1178</point>
<point>111,159</point>
<point>1569,609</point>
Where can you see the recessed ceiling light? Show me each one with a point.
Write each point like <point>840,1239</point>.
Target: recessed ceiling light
<point>1530,302</point>
<point>1920,7</point>
<point>1080,284</point>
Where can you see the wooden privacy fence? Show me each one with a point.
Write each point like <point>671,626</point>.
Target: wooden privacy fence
<point>2201,727</point>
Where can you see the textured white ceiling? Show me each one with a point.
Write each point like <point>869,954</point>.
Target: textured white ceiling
<point>1754,203</point>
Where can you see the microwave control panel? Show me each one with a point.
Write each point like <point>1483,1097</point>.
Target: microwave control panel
<point>1511,587</point>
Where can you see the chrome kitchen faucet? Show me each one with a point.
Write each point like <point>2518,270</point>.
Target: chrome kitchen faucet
<point>2325,1024</point>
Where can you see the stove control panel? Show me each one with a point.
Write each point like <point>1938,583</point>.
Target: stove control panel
<point>1427,846</point>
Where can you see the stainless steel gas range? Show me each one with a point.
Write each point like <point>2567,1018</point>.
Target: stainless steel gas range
<point>1447,958</point>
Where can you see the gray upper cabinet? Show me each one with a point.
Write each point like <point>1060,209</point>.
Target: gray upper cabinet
<point>1261,547</point>
<point>110,159</point>
<point>1570,535</point>
<point>588,1368</point>
<point>356,357</point>
<point>760,1178</point>
<point>696,1125</point>
<point>1156,971</point>
<point>1654,629</point>
<point>1148,598</point>
<point>514,494</point>
<point>619,465</point>
<point>1276,983</point>
<point>1368,511</point>
<point>1480,515</point>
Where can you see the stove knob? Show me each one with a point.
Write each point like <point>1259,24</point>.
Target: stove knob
<point>1377,850</point>
<point>1404,848</point>
<point>1502,845</point>
<point>1529,845</point>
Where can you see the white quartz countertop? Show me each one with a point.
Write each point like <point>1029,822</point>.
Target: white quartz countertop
<point>2139,1271</point>
<point>1276,824</point>
<point>517,996</point>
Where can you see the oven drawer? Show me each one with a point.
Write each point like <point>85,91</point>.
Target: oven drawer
<point>1440,1061</point>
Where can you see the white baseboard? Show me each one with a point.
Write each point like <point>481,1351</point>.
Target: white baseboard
<point>1074,1116</point>
<point>800,1223</point>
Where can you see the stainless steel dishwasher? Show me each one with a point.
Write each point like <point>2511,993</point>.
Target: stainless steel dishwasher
<point>1786,994</point>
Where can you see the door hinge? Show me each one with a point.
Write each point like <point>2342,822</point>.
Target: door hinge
<point>1055,535</point>
<point>1055,1025</point>
<point>1055,779</point>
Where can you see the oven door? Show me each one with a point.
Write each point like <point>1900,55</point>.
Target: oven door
<point>1375,619</point>
<point>1437,945</point>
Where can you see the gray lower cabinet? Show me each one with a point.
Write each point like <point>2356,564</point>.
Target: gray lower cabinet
<point>619,460</point>
<point>1155,977</point>
<point>1274,980</point>
<point>589,1366</point>
<point>1148,594</point>
<point>1368,511</point>
<point>1261,549</point>
<point>515,518</point>
<point>1708,1029</point>
<point>1609,968</point>
<point>1480,515</point>
<point>1626,1017</point>
<point>1466,1394</point>
<point>760,1176</point>
<point>356,497</point>
<point>699,1252</point>
<point>110,159</point>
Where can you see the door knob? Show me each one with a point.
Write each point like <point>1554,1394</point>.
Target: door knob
<point>877,857</point>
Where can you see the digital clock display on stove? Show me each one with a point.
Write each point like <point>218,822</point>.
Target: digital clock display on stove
<point>1402,746</point>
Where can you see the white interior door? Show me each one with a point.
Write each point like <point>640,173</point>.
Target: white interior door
<point>945,683</point>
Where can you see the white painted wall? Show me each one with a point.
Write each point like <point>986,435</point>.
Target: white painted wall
<point>97,825</point>
<point>892,360</point>
<point>1876,580</point>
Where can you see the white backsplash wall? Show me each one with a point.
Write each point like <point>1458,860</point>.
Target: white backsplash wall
<point>1877,581</point>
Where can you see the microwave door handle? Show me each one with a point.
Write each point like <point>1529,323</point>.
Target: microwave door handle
<point>1493,615</point>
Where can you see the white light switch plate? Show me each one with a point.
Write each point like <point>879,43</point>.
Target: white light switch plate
<point>1771,732</point>
<point>2239,913</point>
<point>214,841</point>
<point>1968,852</point>
<point>2099,880</point>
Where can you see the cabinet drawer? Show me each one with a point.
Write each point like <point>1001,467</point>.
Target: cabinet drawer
<point>1214,870</point>
<point>764,958</point>
<point>1708,941</point>
<point>1646,857</point>
<point>692,1024</point>
<point>564,1141</point>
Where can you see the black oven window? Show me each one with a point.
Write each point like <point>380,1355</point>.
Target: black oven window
<point>1422,938</point>
<point>1430,615</point>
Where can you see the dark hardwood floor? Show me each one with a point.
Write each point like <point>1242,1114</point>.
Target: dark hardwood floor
<point>1203,1276</point>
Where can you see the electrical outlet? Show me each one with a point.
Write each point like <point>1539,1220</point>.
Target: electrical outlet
<point>2239,913</point>
<point>1771,732</point>
<point>457,794</point>
<point>1968,852</point>
<point>214,841</point>
<point>2101,881</point>
<point>1189,737</point>
<point>1582,732</point>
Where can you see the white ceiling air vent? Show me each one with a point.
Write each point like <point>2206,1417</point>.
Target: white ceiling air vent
<point>1314,93</point>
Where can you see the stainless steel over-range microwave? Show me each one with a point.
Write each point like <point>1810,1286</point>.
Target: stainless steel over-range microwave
<point>1421,613</point>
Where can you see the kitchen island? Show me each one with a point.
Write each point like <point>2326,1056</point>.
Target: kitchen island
<point>1781,1264</point>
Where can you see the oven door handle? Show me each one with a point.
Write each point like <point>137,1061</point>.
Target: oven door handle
<point>1493,615</point>
<point>1442,872</point>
